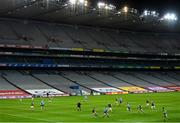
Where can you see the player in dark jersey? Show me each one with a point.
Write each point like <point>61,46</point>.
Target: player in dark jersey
<point>109,107</point>
<point>147,103</point>
<point>94,113</point>
<point>140,109</point>
<point>32,105</point>
<point>153,105</point>
<point>164,114</point>
<point>79,106</point>
<point>47,94</point>
<point>116,101</point>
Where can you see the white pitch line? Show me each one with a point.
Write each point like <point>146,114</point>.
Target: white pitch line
<point>25,117</point>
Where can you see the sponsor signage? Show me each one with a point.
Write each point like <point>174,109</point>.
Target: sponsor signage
<point>5,94</point>
<point>134,89</point>
<point>155,67</point>
<point>58,48</point>
<point>113,93</point>
<point>2,65</point>
<point>11,45</point>
<point>43,92</point>
<point>177,67</point>
<point>159,89</point>
<point>2,45</point>
<point>77,49</point>
<point>107,90</point>
<point>38,47</point>
<point>25,46</point>
<point>175,88</point>
<point>98,50</point>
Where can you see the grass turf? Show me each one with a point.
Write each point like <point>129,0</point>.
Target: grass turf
<point>63,109</point>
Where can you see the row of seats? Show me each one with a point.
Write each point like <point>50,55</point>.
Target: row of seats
<point>87,81</point>
<point>67,36</point>
<point>4,85</point>
<point>24,81</point>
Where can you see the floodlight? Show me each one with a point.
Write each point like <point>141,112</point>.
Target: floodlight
<point>72,1</point>
<point>107,7</point>
<point>150,13</point>
<point>145,12</point>
<point>101,5</point>
<point>170,17</point>
<point>81,1</point>
<point>153,12</point>
<point>85,3</point>
<point>111,7</point>
<point>125,9</point>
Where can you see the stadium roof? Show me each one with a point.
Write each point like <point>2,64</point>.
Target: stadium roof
<point>81,13</point>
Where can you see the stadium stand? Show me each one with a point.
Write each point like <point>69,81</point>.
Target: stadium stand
<point>136,82</point>
<point>9,90</point>
<point>59,82</point>
<point>164,76</point>
<point>53,35</point>
<point>5,85</point>
<point>175,77</point>
<point>146,76</point>
<point>29,84</point>
<point>130,78</point>
<point>65,36</point>
<point>83,79</point>
<point>108,79</point>
<point>25,81</point>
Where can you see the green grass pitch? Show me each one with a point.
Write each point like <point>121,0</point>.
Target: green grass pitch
<point>63,109</point>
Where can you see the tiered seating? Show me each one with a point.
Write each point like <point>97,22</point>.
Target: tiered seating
<point>155,80</point>
<point>108,79</point>
<point>59,82</point>
<point>67,36</point>
<point>6,32</point>
<point>175,76</point>
<point>159,85</point>
<point>164,76</point>
<point>8,90</point>
<point>136,82</point>
<point>56,34</point>
<point>87,81</point>
<point>29,33</point>
<point>29,83</point>
<point>4,85</point>
<point>130,78</point>
<point>25,81</point>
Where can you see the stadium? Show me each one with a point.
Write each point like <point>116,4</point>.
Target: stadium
<point>88,61</point>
